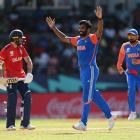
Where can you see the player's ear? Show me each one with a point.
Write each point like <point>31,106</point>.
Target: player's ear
<point>89,29</point>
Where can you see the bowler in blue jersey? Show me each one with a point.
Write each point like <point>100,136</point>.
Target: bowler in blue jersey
<point>87,47</point>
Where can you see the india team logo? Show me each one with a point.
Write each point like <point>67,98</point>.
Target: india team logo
<point>128,50</point>
<point>11,53</point>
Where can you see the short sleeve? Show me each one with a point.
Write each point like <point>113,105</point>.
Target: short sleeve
<point>94,38</point>
<point>24,52</point>
<point>121,57</point>
<point>122,50</point>
<point>2,54</point>
<point>73,40</point>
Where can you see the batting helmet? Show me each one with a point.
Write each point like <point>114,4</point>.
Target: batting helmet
<point>15,36</point>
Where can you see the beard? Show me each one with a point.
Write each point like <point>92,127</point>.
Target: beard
<point>132,41</point>
<point>83,33</point>
<point>18,42</point>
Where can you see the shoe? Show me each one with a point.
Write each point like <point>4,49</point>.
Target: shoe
<point>29,127</point>
<point>111,123</point>
<point>132,116</point>
<point>11,128</point>
<point>79,126</point>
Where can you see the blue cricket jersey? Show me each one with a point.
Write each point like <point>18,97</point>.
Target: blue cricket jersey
<point>131,53</point>
<point>86,49</point>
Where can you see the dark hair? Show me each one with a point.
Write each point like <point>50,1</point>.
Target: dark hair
<point>86,22</point>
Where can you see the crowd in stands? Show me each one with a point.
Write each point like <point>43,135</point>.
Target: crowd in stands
<point>50,56</point>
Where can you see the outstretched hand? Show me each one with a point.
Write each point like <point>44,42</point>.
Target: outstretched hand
<point>51,22</point>
<point>98,12</point>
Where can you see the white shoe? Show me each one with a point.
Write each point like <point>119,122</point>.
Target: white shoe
<point>29,127</point>
<point>111,123</point>
<point>11,128</point>
<point>132,116</point>
<point>79,126</point>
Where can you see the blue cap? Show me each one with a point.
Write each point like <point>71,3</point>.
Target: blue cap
<point>133,31</point>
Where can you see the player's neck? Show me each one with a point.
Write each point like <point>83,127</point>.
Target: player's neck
<point>84,37</point>
<point>134,43</point>
<point>14,45</point>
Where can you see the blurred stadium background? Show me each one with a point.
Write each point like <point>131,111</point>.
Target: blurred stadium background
<point>56,87</point>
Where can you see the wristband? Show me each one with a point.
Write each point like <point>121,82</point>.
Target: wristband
<point>100,18</point>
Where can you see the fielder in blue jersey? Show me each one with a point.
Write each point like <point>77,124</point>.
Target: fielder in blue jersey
<point>130,51</point>
<point>87,48</point>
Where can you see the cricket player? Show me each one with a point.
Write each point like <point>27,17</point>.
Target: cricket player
<point>87,48</point>
<point>11,57</point>
<point>130,51</point>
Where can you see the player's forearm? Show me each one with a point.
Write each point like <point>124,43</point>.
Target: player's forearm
<point>1,69</point>
<point>1,72</point>
<point>29,64</point>
<point>60,35</point>
<point>119,63</point>
<point>99,28</point>
<point>29,67</point>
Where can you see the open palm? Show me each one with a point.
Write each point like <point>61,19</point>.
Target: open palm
<point>51,22</point>
<point>98,12</point>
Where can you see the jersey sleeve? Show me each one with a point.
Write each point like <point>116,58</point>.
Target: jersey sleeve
<point>73,40</point>
<point>94,38</point>
<point>24,52</point>
<point>121,57</point>
<point>2,55</point>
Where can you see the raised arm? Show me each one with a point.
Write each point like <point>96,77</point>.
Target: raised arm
<point>60,35</point>
<point>98,13</point>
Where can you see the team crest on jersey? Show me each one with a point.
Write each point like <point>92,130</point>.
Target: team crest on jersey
<point>78,41</point>
<point>128,50</point>
<point>11,53</point>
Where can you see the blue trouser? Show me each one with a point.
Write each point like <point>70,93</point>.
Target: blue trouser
<point>12,102</point>
<point>132,82</point>
<point>89,76</point>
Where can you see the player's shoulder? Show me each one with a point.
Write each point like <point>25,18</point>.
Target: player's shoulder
<point>6,47</point>
<point>22,47</point>
<point>93,38</point>
<point>92,35</point>
<point>77,37</point>
<point>125,44</point>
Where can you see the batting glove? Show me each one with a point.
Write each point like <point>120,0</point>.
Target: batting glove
<point>28,78</point>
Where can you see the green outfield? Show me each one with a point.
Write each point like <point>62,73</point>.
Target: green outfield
<point>60,129</point>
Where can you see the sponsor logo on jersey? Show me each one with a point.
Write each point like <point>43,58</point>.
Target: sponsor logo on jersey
<point>11,53</point>
<point>16,59</point>
<point>133,55</point>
